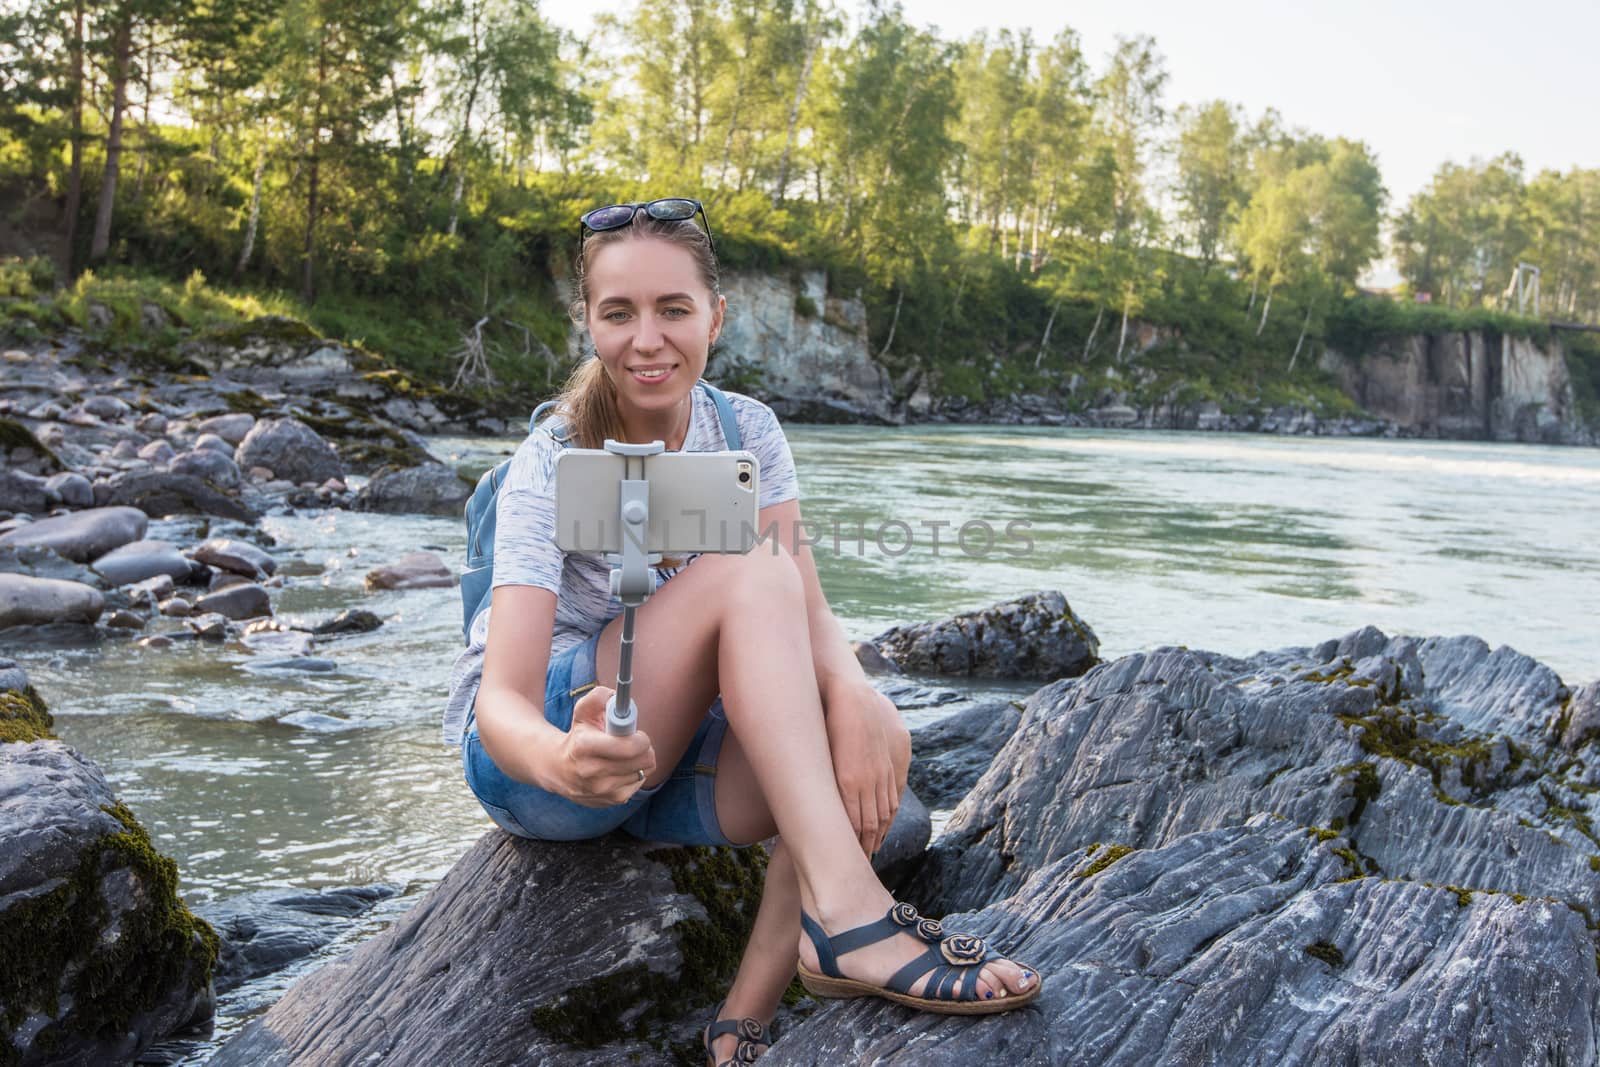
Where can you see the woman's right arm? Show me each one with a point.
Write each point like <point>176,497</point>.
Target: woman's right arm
<point>510,707</point>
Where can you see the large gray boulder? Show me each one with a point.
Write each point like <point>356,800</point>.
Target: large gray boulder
<point>83,535</point>
<point>431,489</point>
<point>1034,636</point>
<point>290,449</point>
<point>525,952</point>
<point>1246,944</point>
<point>26,601</point>
<point>101,956</point>
<point>138,560</point>
<point>159,493</point>
<point>242,600</point>
<point>1363,736</point>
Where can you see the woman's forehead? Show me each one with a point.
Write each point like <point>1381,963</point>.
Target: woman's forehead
<point>643,269</point>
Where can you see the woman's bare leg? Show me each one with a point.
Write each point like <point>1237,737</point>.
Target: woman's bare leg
<point>738,624</point>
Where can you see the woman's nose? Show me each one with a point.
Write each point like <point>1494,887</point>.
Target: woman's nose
<point>647,337</point>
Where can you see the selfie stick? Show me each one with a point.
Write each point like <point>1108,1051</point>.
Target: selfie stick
<point>630,573</point>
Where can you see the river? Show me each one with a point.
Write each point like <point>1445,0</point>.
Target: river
<point>1229,542</point>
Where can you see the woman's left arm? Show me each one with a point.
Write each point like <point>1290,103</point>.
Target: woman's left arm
<point>870,745</point>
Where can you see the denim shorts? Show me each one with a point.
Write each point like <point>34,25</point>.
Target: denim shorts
<point>679,810</point>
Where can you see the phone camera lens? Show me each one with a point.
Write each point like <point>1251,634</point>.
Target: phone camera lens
<point>744,477</point>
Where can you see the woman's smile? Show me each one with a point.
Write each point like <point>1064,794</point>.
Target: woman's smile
<point>652,374</point>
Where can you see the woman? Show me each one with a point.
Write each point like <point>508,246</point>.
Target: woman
<point>755,718</point>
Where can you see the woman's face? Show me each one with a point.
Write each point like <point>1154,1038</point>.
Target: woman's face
<point>652,320</point>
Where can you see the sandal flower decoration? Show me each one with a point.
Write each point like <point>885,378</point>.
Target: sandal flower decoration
<point>963,948</point>
<point>746,1051</point>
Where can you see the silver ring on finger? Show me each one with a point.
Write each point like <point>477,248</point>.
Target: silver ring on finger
<point>641,776</point>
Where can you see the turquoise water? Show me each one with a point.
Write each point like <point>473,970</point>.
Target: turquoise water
<point>1222,541</point>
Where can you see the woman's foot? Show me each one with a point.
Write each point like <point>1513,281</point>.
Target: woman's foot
<point>875,963</point>
<point>737,1040</point>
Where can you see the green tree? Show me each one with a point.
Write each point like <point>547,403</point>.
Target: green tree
<point>1212,159</point>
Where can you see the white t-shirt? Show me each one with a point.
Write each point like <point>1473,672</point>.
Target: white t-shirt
<point>525,551</point>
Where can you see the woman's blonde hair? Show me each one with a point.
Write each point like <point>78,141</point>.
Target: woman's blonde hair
<point>588,400</point>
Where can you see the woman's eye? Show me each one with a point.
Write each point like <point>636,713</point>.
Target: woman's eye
<point>615,316</point>
<point>676,313</point>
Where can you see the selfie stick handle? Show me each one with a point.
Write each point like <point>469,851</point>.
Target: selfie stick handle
<point>630,574</point>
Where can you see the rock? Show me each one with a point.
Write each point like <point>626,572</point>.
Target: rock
<point>909,695</point>
<point>112,960</point>
<point>160,493</point>
<point>871,660</point>
<point>431,489</point>
<point>239,557</point>
<point>259,475</point>
<point>152,423</point>
<point>1583,718</point>
<point>38,561</point>
<point>311,664</point>
<point>73,488</point>
<point>950,755</point>
<point>212,626</point>
<point>12,675</point>
<point>1246,944</point>
<point>1358,735</point>
<point>908,835</point>
<point>414,570</point>
<point>156,641</point>
<point>648,939</point>
<point>266,930</point>
<point>139,560</point>
<point>1035,636</point>
<point>216,467</point>
<point>231,428</point>
<point>246,600</point>
<point>157,452</point>
<point>28,601</point>
<point>21,491</point>
<point>154,589</point>
<point>121,619</point>
<point>210,442</point>
<point>223,579</point>
<point>349,621</point>
<point>124,449</point>
<point>176,607</point>
<point>291,449</point>
<point>105,407</point>
<point>20,450</point>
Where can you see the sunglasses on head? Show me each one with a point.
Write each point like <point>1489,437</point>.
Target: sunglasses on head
<point>667,209</point>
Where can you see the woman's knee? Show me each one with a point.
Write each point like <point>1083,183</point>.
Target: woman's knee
<point>767,573</point>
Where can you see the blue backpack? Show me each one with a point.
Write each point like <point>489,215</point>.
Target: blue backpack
<point>477,578</point>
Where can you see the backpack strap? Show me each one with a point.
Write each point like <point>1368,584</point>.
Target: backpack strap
<point>557,429</point>
<point>731,437</point>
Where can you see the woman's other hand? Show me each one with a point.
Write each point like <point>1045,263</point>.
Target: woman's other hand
<point>871,751</point>
<point>596,769</point>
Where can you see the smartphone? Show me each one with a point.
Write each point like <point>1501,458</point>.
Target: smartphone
<point>699,501</point>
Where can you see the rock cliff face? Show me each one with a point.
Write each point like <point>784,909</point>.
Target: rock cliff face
<point>1466,385</point>
<point>803,351</point>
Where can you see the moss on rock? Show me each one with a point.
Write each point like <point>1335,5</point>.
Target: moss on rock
<point>24,717</point>
<point>1112,854</point>
<point>636,1003</point>
<point>58,946</point>
<point>1327,952</point>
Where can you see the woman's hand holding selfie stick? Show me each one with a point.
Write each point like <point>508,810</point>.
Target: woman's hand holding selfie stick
<point>597,768</point>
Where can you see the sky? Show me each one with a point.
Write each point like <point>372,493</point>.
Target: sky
<point>1420,81</point>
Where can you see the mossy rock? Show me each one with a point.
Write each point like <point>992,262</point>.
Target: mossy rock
<point>24,717</point>
<point>99,945</point>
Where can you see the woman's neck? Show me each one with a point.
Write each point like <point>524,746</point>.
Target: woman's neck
<point>670,426</point>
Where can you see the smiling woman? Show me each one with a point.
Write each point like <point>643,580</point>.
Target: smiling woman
<point>755,718</point>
